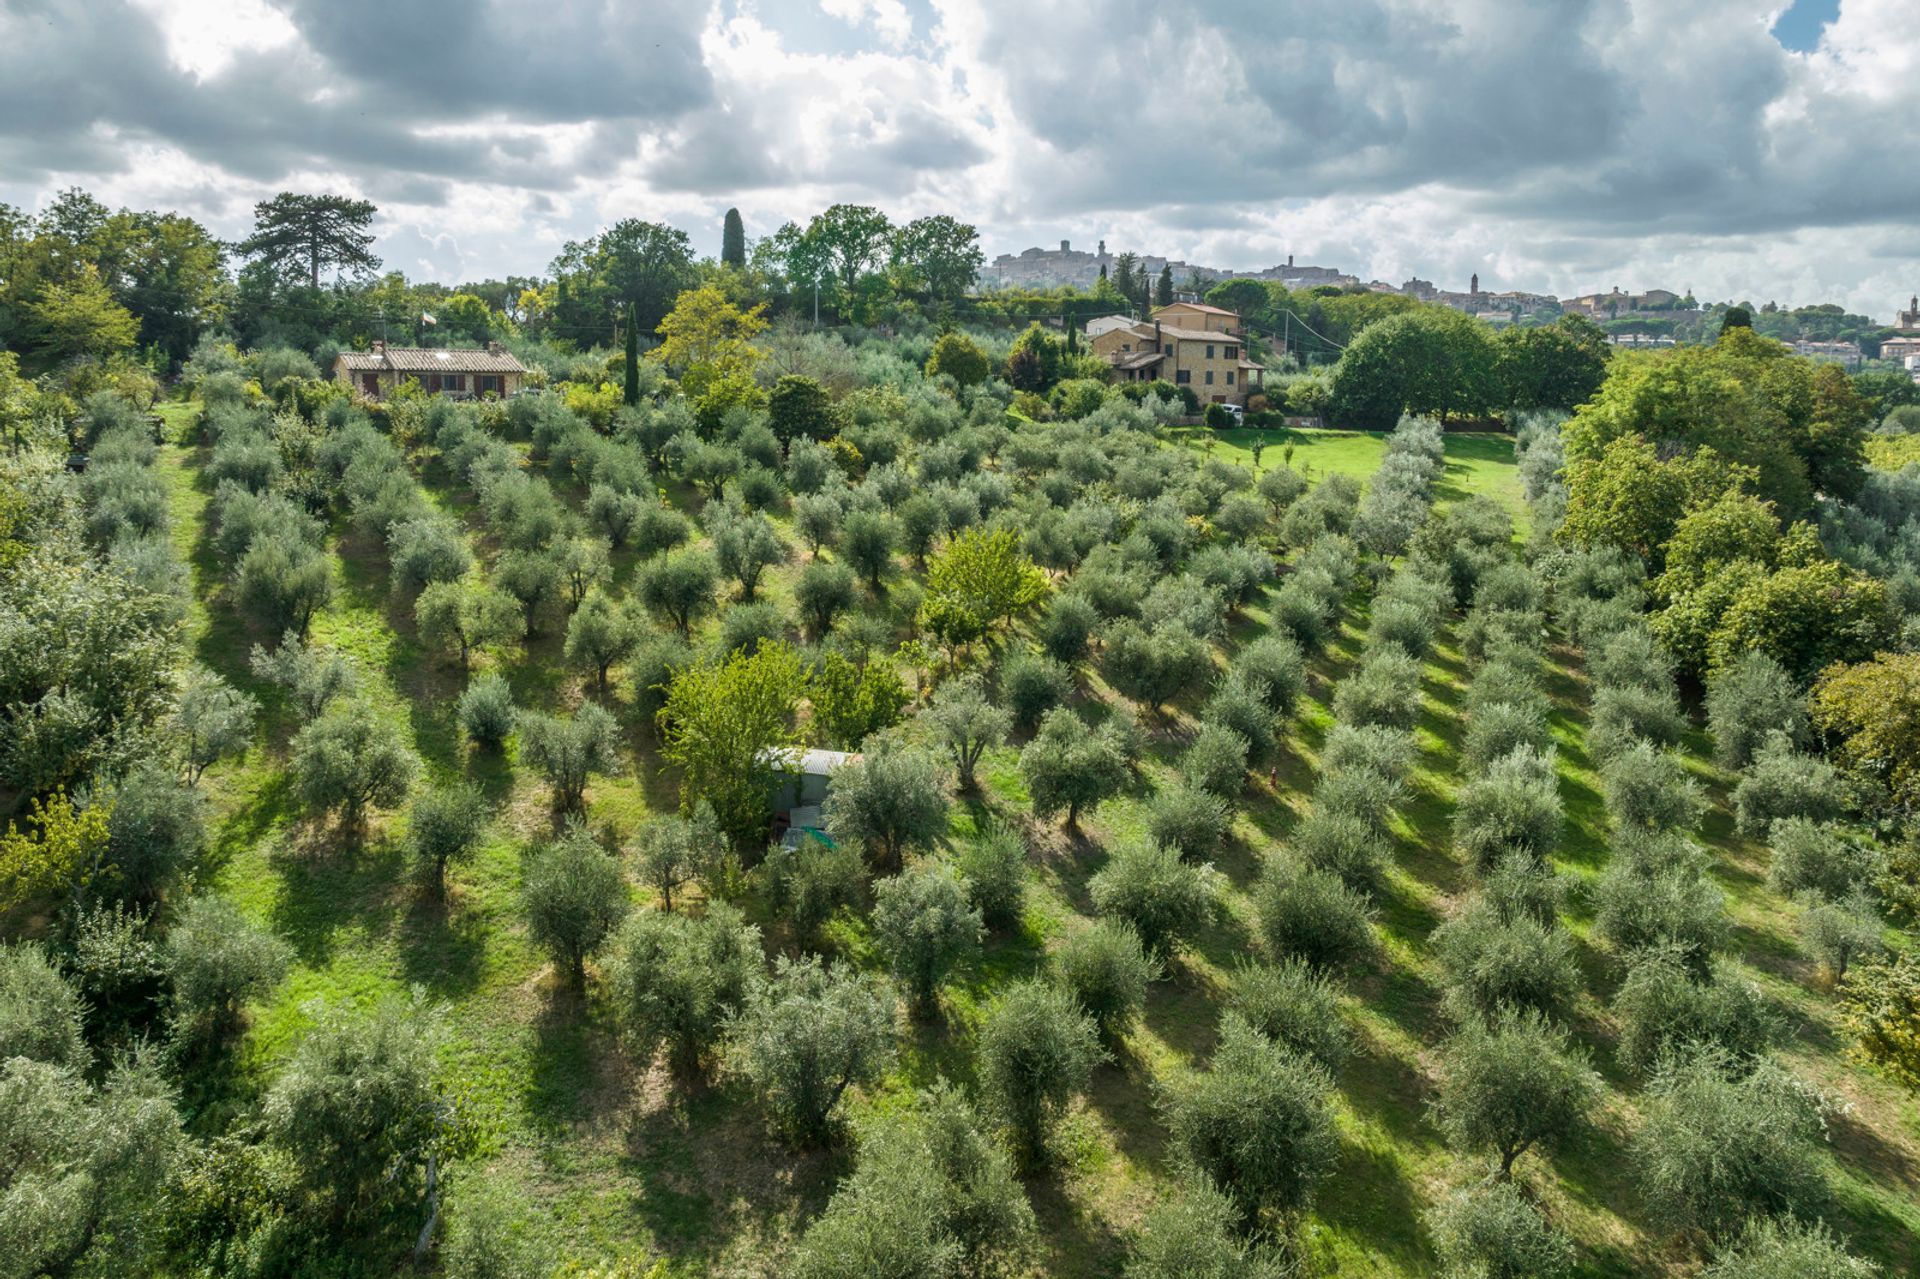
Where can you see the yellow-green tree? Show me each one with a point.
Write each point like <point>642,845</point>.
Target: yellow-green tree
<point>706,341</point>
<point>726,724</point>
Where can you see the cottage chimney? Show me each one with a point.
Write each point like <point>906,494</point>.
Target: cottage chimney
<point>493,348</point>
<point>379,346</point>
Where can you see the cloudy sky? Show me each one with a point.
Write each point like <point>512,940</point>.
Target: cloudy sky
<point>1735,147</point>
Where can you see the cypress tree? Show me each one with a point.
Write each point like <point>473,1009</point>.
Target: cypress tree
<point>1163,291</point>
<point>733,242</point>
<point>633,355</point>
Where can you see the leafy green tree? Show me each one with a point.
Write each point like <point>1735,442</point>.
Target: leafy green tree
<point>283,582</point>
<point>957,356</point>
<point>1257,1122</point>
<point>217,960</point>
<point>939,254</point>
<point>39,1010</point>
<point>677,980</point>
<point>727,724</point>
<point>1037,1051</point>
<point>931,1194</point>
<point>567,751</point>
<point>573,896</point>
<point>1788,1249</point>
<point>630,368</point>
<point>1873,709</point>
<point>633,263</point>
<point>1513,1085</point>
<point>78,319</point>
<point>351,758</point>
<point>1554,366</point>
<point>444,825</point>
<point>852,239</point>
<point>1069,767</point>
<point>1163,287</point>
<point>1196,1234</point>
<point>296,237</point>
<point>798,408</point>
<point>925,926</point>
<point>673,850</point>
<point>1433,362</point>
<point>807,1035</point>
<point>1880,1004</point>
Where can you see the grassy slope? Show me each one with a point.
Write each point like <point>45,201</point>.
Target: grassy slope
<point>616,1161</point>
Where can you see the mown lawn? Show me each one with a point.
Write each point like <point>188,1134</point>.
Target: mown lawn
<point>615,1161</point>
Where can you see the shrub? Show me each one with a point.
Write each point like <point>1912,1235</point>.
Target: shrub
<point>568,750</point>
<point>1384,691</point>
<point>217,961</point>
<point>1067,626</point>
<point>1294,1006</point>
<point>1748,700</point>
<point>1512,1085</point>
<point>1215,761</point>
<point>39,1010</point>
<point>1153,667</point>
<point>1520,886</point>
<point>1835,933</point>
<point>1166,900</point>
<point>1809,857</point>
<point>677,979</point>
<point>1781,783</point>
<point>805,1036</point>
<point>1257,1122</point>
<point>994,866</point>
<point>425,550</point>
<point>1497,729</point>
<point>1385,753</point>
<point>1493,963</point>
<point>485,711</point>
<point>1031,686</point>
<point>1036,1052</point>
<point>155,833</point>
<point>1106,970</point>
<point>1191,821</point>
<point>1197,1235</point>
<point>1625,714</point>
<point>1788,1249</point>
<point>1715,1149</point>
<point>1492,1231</point>
<point>1342,844</point>
<point>1649,789</point>
<point>891,800</point>
<point>1672,908</point>
<point>1514,807</point>
<point>1310,914</point>
<point>925,926</point>
<point>1667,1007</point>
<point>1274,666</point>
<point>573,896</point>
<point>443,826</point>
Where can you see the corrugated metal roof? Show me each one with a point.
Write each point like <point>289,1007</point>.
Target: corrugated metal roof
<point>1200,306</point>
<point>408,359</point>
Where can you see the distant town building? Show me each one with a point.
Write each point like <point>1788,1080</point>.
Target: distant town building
<point>1847,353</point>
<point>1909,319</point>
<point>1106,324</point>
<point>1603,306</point>
<point>1899,349</point>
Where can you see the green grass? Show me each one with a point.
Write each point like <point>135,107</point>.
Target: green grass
<point>616,1161</point>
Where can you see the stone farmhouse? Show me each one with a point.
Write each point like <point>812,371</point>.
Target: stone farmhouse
<point>1189,344</point>
<point>461,373</point>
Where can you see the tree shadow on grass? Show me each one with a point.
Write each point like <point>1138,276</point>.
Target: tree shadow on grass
<point>1073,1241</point>
<point>564,1075</point>
<point>441,948</point>
<point>269,805</point>
<point>1369,1199</point>
<point>323,891</point>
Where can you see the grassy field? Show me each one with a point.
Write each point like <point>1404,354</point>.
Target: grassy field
<point>615,1161</point>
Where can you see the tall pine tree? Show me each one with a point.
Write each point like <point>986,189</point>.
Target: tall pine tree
<point>733,242</point>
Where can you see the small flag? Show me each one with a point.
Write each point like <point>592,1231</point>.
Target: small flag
<point>426,317</point>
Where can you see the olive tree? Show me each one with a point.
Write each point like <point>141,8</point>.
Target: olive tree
<point>1037,1051</point>
<point>965,721</point>
<point>805,1036</point>
<point>892,800</point>
<point>213,720</point>
<point>1070,767</point>
<point>217,960</point>
<point>569,750</point>
<point>1107,970</point>
<point>1166,900</point>
<point>1512,1085</point>
<point>1492,1231</point>
<point>573,896</point>
<point>351,758</point>
<point>443,827</point>
<point>677,979</point>
<point>924,925</point>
